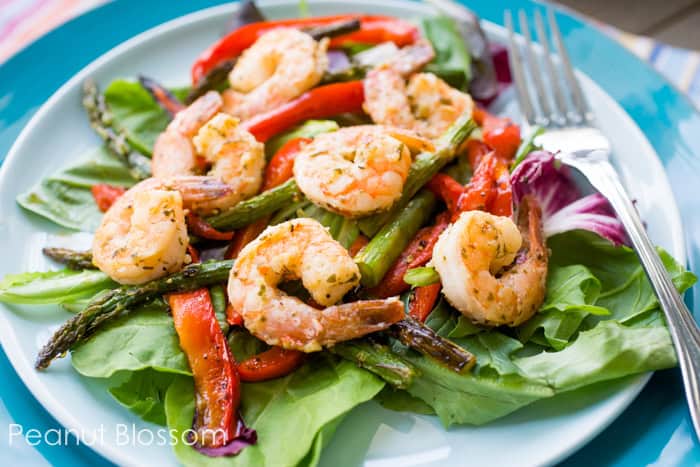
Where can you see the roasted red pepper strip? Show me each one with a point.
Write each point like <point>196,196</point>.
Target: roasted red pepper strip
<point>217,386</point>
<point>446,188</point>
<point>373,30</point>
<point>358,244</point>
<point>233,317</point>
<point>476,150</point>
<point>273,363</point>
<point>200,228</point>
<point>105,195</point>
<point>500,133</point>
<point>321,102</point>
<point>480,190</point>
<point>502,202</point>
<point>279,170</point>
<point>194,254</point>
<point>281,166</point>
<point>416,254</point>
<point>423,301</point>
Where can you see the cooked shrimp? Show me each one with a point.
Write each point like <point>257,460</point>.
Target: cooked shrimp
<point>303,249</point>
<point>143,235</point>
<point>173,152</point>
<point>356,170</point>
<point>281,65</point>
<point>474,258</point>
<point>200,131</point>
<point>427,105</point>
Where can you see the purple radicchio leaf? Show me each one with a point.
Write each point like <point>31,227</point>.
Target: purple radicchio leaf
<point>338,62</point>
<point>245,437</point>
<point>563,208</point>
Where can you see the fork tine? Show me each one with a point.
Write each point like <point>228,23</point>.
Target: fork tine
<point>533,67</point>
<point>558,115</point>
<point>516,67</point>
<point>577,95</point>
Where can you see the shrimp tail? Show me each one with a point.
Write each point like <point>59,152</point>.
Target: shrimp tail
<point>530,226</point>
<point>357,319</point>
<point>198,189</point>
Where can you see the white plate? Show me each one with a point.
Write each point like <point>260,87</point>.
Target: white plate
<point>542,433</point>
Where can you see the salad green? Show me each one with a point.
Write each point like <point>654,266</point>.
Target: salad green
<point>600,319</point>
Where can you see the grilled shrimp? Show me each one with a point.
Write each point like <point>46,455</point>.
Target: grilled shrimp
<point>303,249</point>
<point>474,258</point>
<point>427,105</point>
<point>143,235</point>
<point>202,133</point>
<point>281,65</point>
<point>357,170</point>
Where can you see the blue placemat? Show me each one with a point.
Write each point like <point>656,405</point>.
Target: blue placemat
<point>655,429</point>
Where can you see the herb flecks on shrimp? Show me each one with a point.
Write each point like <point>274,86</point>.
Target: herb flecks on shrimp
<point>303,249</point>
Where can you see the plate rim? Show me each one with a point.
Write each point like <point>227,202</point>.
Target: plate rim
<point>31,380</point>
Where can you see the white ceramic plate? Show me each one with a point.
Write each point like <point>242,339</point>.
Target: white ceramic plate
<point>542,433</point>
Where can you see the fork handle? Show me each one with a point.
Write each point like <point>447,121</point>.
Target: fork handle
<point>683,328</point>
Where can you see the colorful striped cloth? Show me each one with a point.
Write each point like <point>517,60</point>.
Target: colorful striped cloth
<point>21,21</point>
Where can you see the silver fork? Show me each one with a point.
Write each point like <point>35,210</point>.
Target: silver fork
<point>562,108</point>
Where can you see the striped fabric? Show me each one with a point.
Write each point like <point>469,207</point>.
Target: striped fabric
<point>21,21</point>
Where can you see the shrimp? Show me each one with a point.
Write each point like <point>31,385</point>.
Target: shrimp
<point>474,258</point>
<point>357,170</point>
<point>200,133</point>
<point>303,249</point>
<point>281,65</point>
<point>143,235</point>
<point>427,105</point>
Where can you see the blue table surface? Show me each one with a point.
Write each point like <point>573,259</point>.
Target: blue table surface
<point>655,429</point>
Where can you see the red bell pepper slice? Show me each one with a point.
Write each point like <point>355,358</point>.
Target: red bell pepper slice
<point>281,166</point>
<point>480,190</point>
<point>217,385</point>
<point>201,228</point>
<point>500,133</point>
<point>233,317</point>
<point>105,195</point>
<point>423,301</point>
<point>358,244</point>
<point>446,188</point>
<point>501,204</point>
<point>476,150</point>
<point>373,30</point>
<point>418,252</point>
<point>321,102</point>
<point>270,364</point>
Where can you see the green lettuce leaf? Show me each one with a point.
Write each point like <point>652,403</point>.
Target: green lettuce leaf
<point>52,287</point>
<point>452,60</point>
<point>294,416</point>
<point>144,338</point>
<point>143,392</point>
<point>65,198</point>
<point>625,290</point>
<point>571,294</point>
<point>608,351</point>
<point>137,114</point>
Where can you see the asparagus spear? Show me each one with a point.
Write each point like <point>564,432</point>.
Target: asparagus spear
<point>424,167</point>
<point>334,29</point>
<point>421,338</point>
<point>378,359</point>
<point>375,259</point>
<point>213,80</point>
<point>248,211</point>
<point>73,259</point>
<point>101,120</point>
<point>107,306</point>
